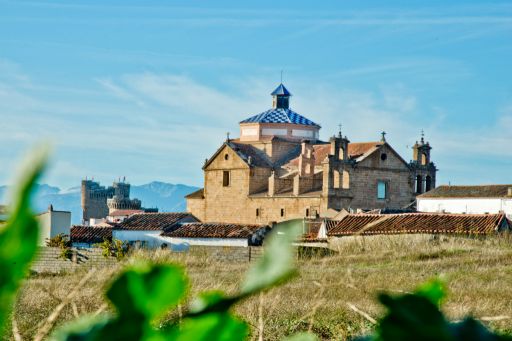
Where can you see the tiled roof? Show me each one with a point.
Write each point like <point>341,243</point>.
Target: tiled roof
<point>121,213</point>
<point>321,151</point>
<point>90,234</point>
<point>281,91</point>
<point>213,230</point>
<point>360,148</point>
<point>280,115</point>
<point>151,221</point>
<point>484,191</point>
<point>416,223</point>
<point>247,151</point>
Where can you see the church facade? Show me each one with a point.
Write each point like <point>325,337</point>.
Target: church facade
<point>278,169</point>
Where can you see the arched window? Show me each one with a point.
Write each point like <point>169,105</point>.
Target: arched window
<point>346,180</point>
<point>418,184</point>
<point>336,179</point>
<point>428,183</point>
<point>424,160</point>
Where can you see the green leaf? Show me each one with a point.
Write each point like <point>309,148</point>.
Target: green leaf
<point>412,317</point>
<point>472,330</point>
<point>277,263</point>
<point>87,328</point>
<point>435,291</point>
<point>147,291</point>
<point>302,337</point>
<point>19,237</point>
<point>212,326</point>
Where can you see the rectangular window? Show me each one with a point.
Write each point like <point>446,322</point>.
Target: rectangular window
<point>257,212</point>
<point>282,212</point>
<point>382,190</point>
<point>307,212</point>
<point>226,178</point>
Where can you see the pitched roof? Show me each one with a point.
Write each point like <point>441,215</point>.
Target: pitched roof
<point>89,234</point>
<point>199,194</point>
<point>416,223</point>
<point>213,230</point>
<point>280,115</point>
<point>281,91</point>
<point>360,148</point>
<point>355,150</point>
<point>122,213</point>
<point>152,221</point>
<point>248,152</point>
<point>483,191</point>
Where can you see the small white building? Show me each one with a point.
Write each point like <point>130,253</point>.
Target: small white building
<point>52,223</point>
<point>214,234</point>
<point>144,229</point>
<point>467,199</point>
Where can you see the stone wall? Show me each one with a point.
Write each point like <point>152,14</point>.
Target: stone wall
<point>228,253</point>
<point>48,260</point>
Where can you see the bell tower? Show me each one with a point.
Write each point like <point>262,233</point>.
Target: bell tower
<point>423,169</point>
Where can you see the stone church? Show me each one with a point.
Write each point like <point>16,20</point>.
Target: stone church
<point>278,169</point>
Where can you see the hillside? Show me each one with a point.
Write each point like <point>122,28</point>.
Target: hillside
<point>165,196</point>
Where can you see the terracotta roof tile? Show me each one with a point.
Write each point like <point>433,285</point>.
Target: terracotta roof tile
<point>90,234</point>
<point>483,191</point>
<point>321,151</point>
<point>416,223</point>
<point>214,230</point>
<point>121,213</point>
<point>152,221</point>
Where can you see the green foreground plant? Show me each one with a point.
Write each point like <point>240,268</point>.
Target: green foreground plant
<point>115,248</point>
<point>63,243</point>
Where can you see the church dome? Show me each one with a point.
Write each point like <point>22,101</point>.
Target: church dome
<point>279,121</point>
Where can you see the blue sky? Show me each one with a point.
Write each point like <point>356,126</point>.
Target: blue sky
<point>148,89</point>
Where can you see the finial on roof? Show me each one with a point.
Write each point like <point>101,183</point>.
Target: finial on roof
<point>422,136</point>
<point>383,139</point>
<point>227,137</point>
<point>339,131</point>
<point>281,76</point>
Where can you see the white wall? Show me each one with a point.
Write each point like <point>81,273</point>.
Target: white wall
<point>152,238</point>
<point>182,244</point>
<point>52,223</point>
<point>465,205</point>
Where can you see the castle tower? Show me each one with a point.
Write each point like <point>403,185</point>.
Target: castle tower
<point>423,169</point>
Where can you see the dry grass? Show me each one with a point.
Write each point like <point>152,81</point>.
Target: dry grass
<point>333,297</point>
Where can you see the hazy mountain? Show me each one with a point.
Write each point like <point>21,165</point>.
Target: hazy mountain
<point>166,197</point>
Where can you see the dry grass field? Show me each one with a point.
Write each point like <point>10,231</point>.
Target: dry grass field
<point>335,297</point>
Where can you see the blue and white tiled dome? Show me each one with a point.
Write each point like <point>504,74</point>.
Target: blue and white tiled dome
<point>281,112</point>
<point>280,115</point>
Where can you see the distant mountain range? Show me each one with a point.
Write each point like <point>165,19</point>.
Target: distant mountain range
<point>166,197</point>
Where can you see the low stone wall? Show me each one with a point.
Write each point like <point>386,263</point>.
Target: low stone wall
<point>48,260</point>
<point>228,253</point>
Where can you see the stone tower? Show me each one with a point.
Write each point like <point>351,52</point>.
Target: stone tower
<point>423,170</point>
